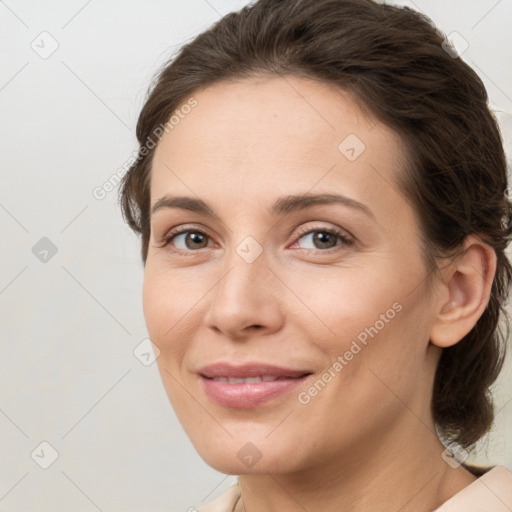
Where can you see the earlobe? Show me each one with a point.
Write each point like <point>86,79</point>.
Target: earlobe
<point>467,281</point>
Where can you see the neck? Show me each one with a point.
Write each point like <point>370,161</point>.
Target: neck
<point>403,471</point>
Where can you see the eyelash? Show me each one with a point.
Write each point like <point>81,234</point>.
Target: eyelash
<point>345,239</point>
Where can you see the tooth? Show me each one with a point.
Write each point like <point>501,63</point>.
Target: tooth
<point>249,380</point>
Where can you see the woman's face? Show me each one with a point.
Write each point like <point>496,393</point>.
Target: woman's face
<point>330,293</point>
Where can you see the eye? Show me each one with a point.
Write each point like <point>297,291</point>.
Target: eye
<point>323,239</point>
<point>319,239</point>
<point>186,239</point>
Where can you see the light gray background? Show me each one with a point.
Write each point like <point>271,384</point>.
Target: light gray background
<point>69,326</point>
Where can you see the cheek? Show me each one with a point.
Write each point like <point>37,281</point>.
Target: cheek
<point>347,303</point>
<point>174,308</point>
<point>368,321</point>
<point>153,302</point>
<point>167,299</point>
<point>164,310</point>
<point>375,365</point>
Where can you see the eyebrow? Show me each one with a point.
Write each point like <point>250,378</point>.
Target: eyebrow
<point>283,205</point>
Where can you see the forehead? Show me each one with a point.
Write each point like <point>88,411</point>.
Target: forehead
<point>265,133</point>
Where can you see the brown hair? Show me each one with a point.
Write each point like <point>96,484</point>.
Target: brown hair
<point>395,64</point>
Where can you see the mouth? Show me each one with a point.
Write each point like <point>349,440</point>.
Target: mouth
<point>250,385</point>
<point>261,378</point>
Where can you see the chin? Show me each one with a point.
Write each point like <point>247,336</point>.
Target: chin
<point>236,458</point>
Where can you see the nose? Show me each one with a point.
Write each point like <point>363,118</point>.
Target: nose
<point>246,300</point>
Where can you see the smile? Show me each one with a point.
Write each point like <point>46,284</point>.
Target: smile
<point>250,385</point>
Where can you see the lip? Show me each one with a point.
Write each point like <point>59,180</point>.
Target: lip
<point>247,395</point>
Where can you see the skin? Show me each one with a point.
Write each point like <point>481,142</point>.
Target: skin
<point>367,440</point>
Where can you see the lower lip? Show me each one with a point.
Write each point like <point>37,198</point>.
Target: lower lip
<point>248,394</point>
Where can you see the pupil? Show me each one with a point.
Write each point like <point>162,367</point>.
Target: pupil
<point>323,238</point>
<point>196,238</point>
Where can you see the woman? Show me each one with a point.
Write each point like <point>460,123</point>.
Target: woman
<point>321,195</point>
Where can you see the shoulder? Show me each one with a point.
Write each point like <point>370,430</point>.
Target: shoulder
<point>225,502</point>
<point>491,492</point>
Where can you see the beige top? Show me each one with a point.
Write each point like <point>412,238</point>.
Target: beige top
<point>492,492</point>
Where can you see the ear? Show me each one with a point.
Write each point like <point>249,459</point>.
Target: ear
<point>466,288</point>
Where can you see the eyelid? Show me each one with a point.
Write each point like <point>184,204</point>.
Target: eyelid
<point>333,228</point>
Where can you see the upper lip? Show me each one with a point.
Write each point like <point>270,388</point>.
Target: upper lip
<point>248,370</point>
